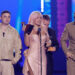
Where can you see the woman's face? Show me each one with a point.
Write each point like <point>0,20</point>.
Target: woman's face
<point>38,19</point>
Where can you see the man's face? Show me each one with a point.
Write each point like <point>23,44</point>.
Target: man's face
<point>5,18</point>
<point>46,22</point>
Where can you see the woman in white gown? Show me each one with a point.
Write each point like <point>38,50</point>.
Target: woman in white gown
<point>32,65</point>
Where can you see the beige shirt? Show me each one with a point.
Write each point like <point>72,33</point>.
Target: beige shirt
<point>10,42</point>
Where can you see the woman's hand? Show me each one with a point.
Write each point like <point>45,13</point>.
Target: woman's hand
<point>44,28</point>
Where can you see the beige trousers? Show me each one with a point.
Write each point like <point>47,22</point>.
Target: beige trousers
<point>6,68</point>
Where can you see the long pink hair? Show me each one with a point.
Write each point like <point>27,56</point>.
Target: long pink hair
<point>33,16</point>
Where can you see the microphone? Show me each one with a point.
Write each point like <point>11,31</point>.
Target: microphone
<point>22,23</point>
<point>3,34</point>
<point>23,26</point>
<point>74,18</point>
<point>39,30</point>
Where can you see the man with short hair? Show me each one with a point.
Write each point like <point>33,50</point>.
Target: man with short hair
<point>54,45</point>
<point>9,41</point>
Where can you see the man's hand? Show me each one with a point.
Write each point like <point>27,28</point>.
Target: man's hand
<point>13,62</point>
<point>52,49</point>
<point>68,54</point>
<point>26,52</point>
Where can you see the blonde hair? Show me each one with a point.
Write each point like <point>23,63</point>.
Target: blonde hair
<point>32,17</point>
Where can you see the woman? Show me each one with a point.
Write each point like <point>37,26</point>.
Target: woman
<point>33,62</point>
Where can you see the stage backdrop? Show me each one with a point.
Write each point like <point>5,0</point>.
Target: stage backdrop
<point>61,12</point>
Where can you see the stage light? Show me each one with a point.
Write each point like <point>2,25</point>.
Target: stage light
<point>42,5</point>
<point>18,21</point>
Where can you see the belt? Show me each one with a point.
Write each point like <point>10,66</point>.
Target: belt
<point>5,60</point>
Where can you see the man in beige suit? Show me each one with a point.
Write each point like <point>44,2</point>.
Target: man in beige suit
<point>9,42</point>
<point>69,50</point>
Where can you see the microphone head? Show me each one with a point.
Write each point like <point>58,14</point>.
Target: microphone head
<point>39,30</point>
<point>3,34</point>
<point>22,23</point>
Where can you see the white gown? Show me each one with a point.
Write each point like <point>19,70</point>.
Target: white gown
<point>33,59</point>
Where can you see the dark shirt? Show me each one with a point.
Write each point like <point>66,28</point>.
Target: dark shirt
<point>55,43</point>
<point>53,38</point>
